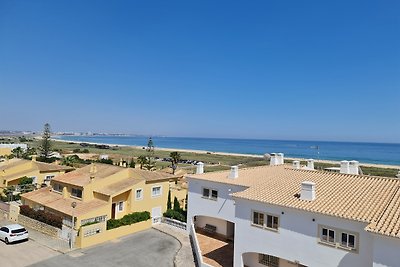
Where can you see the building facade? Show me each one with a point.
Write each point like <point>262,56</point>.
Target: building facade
<point>286,216</point>
<point>102,192</point>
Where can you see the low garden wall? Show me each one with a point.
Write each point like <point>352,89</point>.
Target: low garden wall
<point>39,226</point>
<point>96,233</point>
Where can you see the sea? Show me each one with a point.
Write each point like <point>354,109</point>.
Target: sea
<point>376,153</point>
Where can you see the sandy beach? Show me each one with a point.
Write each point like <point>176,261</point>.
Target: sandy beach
<point>229,154</point>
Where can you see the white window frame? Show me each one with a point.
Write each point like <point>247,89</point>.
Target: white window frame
<point>210,193</point>
<point>47,179</point>
<point>141,194</point>
<point>264,225</point>
<point>121,206</point>
<point>347,240</point>
<point>59,186</point>
<point>75,188</point>
<point>258,217</point>
<point>152,191</point>
<point>328,229</point>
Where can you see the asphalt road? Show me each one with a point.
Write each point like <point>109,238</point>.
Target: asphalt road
<point>24,253</point>
<point>147,248</point>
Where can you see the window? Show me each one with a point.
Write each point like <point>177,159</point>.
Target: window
<point>76,192</point>
<point>120,206</point>
<point>265,220</point>
<point>272,222</point>
<point>58,187</point>
<point>214,194</point>
<point>4,229</point>
<point>348,240</point>
<point>156,191</point>
<point>48,177</point>
<point>328,235</point>
<point>258,218</point>
<point>268,260</point>
<point>210,193</point>
<point>206,192</point>
<point>139,194</point>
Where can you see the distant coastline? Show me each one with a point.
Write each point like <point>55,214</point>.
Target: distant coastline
<point>367,164</point>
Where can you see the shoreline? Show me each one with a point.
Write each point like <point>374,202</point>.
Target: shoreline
<point>384,166</point>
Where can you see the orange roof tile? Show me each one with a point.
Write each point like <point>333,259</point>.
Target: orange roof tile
<point>370,199</point>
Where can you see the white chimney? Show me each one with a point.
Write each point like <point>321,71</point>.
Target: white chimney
<point>200,168</point>
<point>274,160</point>
<point>281,158</point>
<point>307,191</point>
<point>296,164</point>
<point>344,167</point>
<point>353,167</point>
<point>310,164</point>
<point>234,172</point>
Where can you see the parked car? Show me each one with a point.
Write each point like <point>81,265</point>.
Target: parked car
<point>13,232</point>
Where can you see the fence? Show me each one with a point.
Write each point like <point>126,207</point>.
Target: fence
<point>196,247</point>
<point>96,233</point>
<point>174,223</point>
<point>4,206</point>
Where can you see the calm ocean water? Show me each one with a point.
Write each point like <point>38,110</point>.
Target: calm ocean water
<point>378,153</point>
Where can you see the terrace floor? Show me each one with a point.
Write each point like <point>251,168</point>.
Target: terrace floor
<point>216,250</point>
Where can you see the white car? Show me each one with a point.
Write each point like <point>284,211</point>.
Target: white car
<point>13,232</point>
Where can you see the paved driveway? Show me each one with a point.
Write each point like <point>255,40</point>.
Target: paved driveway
<point>147,248</point>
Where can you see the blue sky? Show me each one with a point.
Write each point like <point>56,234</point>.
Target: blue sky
<point>303,70</point>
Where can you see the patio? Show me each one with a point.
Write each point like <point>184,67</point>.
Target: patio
<point>216,249</point>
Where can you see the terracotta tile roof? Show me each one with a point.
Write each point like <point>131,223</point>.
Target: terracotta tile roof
<point>118,187</point>
<point>151,176</point>
<point>81,177</point>
<point>47,167</point>
<point>370,199</point>
<point>55,201</point>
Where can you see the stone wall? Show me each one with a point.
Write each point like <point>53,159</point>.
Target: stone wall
<point>39,226</point>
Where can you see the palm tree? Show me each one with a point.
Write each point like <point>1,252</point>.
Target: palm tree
<point>176,157</point>
<point>142,160</point>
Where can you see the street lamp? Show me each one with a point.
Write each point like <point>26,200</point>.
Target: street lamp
<point>71,240</point>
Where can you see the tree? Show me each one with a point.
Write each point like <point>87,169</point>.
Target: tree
<point>150,145</point>
<point>169,204</point>
<point>149,165</point>
<point>177,206</point>
<point>132,164</point>
<point>25,180</point>
<point>45,148</point>
<point>18,152</point>
<point>186,201</point>
<point>142,160</point>
<point>175,158</point>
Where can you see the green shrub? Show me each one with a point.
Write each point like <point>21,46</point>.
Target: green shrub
<point>179,215</point>
<point>128,219</point>
<point>42,216</point>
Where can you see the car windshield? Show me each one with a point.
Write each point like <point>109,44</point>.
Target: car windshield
<point>16,231</point>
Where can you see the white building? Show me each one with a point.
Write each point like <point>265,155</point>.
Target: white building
<point>284,216</point>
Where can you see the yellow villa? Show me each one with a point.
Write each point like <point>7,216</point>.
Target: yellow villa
<point>102,192</point>
<point>11,171</point>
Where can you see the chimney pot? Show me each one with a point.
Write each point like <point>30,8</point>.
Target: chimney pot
<point>200,168</point>
<point>296,164</point>
<point>234,172</point>
<point>307,191</point>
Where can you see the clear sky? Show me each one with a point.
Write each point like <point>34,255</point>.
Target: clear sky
<point>303,70</point>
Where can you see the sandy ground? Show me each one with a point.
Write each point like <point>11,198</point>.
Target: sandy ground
<point>232,154</point>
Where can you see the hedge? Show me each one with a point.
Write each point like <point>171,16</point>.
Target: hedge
<point>41,216</point>
<point>179,215</point>
<point>128,219</point>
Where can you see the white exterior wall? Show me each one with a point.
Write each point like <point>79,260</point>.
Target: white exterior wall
<point>222,208</point>
<point>219,223</point>
<point>386,251</point>
<point>297,238</point>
